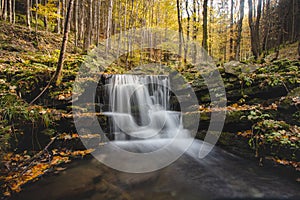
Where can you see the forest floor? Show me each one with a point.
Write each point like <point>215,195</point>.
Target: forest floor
<point>40,138</point>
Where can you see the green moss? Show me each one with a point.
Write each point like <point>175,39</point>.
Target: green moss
<point>16,116</point>
<point>276,138</point>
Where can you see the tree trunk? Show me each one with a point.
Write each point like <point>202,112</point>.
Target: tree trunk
<point>45,18</point>
<point>89,24</point>
<point>109,24</point>
<point>266,28</point>
<point>95,21</point>
<point>58,72</point>
<point>240,29</point>
<point>195,30</point>
<point>28,14</point>
<point>205,36</point>
<point>231,32</point>
<point>4,15</point>
<point>254,28</point>
<point>98,23</point>
<point>90,32</point>
<point>58,27</point>
<point>63,13</point>
<point>125,27</point>
<point>10,16</point>
<point>76,22</point>
<point>179,27</point>
<point>1,8</point>
<point>36,15</point>
<point>210,32</point>
<point>299,49</point>
<point>186,48</point>
<point>293,21</point>
<point>81,21</point>
<point>14,12</point>
<point>257,27</point>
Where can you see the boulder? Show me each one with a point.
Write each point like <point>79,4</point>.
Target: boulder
<point>236,68</point>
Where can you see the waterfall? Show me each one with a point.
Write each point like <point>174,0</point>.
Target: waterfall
<point>139,107</point>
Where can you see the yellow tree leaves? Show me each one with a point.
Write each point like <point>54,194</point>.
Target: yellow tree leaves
<point>14,177</point>
<point>237,107</point>
<point>49,10</point>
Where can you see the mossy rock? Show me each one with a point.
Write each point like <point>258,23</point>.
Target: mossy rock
<point>289,107</point>
<point>236,68</point>
<point>292,100</point>
<point>232,143</point>
<point>235,144</point>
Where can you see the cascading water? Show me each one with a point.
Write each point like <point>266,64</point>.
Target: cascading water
<point>139,107</point>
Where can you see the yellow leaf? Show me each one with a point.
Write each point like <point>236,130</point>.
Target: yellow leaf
<point>7,193</point>
<point>235,105</point>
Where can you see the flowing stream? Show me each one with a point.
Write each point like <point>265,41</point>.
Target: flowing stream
<point>141,121</point>
<point>220,175</point>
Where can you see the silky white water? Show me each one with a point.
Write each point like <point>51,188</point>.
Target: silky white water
<point>139,107</point>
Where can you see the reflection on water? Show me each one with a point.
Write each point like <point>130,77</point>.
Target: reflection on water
<point>218,176</point>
